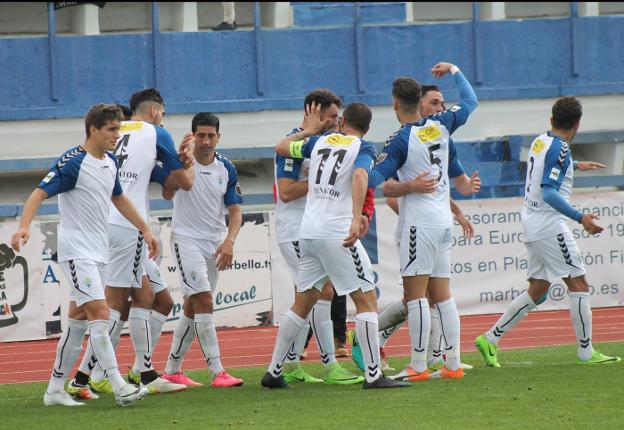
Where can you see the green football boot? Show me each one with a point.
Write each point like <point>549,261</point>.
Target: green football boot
<point>102,386</point>
<point>487,350</point>
<point>337,375</point>
<point>356,351</point>
<point>300,375</point>
<point>134,377</point>
<point>600,358</point>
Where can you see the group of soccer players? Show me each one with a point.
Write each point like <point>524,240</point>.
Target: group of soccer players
<point>325,171</point>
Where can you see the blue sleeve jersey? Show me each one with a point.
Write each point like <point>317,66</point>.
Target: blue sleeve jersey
<point>165,150</point>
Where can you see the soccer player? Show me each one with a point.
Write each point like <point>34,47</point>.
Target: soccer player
<point>86,179</point>
<point>395,314</point>
<point>552,251</point>
<point>143,143</point>
<point>291,176</point>
<point>420,151</point>
<point>339,165</point>
<point>203,246</point>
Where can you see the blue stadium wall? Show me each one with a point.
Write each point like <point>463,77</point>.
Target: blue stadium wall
<point>252,70</point>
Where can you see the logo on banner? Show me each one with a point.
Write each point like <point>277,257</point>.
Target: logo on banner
<point>11,266</point>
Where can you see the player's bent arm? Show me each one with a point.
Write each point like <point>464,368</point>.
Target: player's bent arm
<point>561,205</point>
<point>181,178</point>
<point>127,209</point>
<point>394,188</point>
<point>393,202</point>
<point>225,251</point>
<point>21,236</point>
<point>236,220</point>
<point>358,194</point>
<point>291,189</point>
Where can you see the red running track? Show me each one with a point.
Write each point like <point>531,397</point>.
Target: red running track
<point>32,361</point>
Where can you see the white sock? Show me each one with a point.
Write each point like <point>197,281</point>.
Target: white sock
<point>449,326</point>
<point>419,326</point>
<point>141,338</point>
<point>434,349</point>
<point>182,339</point>
<point>323,329</point>
<point>516,311</point>
<point>394,314</point>
<point>156,322</point>
<point>89,360</point>
<point>297,347</point>
<point>581,314</point>
<point>67,352</point>
<point>101,344</point>
<point>207,336</point>
<point>289,328</point>
<point>115,334</point>
<point>366,328</point>
<point>384,335</point>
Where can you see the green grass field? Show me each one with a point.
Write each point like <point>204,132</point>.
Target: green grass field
<point>536,388</point>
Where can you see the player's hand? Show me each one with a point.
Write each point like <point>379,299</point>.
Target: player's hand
<point>465,225</point>
<point>19,238</point>
<point>364,226</point>
<point>422,184</point>
<point>589,225</point>
<point>152,244</point>
<point>589,165</point>
<point>224,254</point>
<point>475,182</point>
<point>185,151</point>
<point>354,232</point>
<point>312,122</point>
<point>441,69</point>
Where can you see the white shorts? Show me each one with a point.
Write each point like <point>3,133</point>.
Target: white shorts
<point>291,251</point>
<point>425,251</point>
<point>349,269</point>
<point>196,263</point>
<point>554,258</point>
<point>152,271</point>
<point>126,253</point>
<point>85,278</point>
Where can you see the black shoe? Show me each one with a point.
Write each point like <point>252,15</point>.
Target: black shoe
<point>225,26</point>
<point>384,382</point>
<point>269,381</point>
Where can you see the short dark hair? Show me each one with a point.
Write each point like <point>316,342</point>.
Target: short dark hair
<point>427,88</point>
<point>323,97</point>
<point>358,116</point>
<point>566,112</point>
<point>101,114</point>
<point>206,119</point>
<point>143,96</point>
<point>408,92</point>
<point>127,113</point>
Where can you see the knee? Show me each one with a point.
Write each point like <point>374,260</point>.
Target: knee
<point>163,302</point>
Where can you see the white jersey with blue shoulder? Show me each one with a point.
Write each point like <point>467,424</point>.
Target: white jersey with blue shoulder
<point>200,212</point>
<point>288,215</point>
<point>138,149</point>
<point>333,160</point>
<point>549,162</point>
<point>85,185</point>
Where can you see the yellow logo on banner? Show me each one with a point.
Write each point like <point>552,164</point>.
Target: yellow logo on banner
<point>339,139</point>
<point>429,133</point>
<point>538,146</point>
<point>131,126</point>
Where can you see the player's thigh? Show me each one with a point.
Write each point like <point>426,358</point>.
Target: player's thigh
<point>85,281</point>
<point>417,250</point>
<point>559,256</point>
<point>349,269</point>
<point>126,252</point>
<point>311,273</point>
<point>192,266</point>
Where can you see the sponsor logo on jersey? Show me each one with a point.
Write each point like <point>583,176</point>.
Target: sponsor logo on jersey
<point>339,139</point>
<point>429,133</point>
<point>382,156</point>
<point>131,126</point>
<point>554,174</point>
<point>538,146</point>
<point>455,108</point>
<point>238,189</point>
<point>48,177</point>
<point>288,165</point>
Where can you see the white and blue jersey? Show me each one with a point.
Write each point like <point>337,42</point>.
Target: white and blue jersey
<point>138,149</point>
<point>333,160</point>
<point>85,186</point>
<point>425,146</point>
<point>288,215</point>
<point>549,164</point>
<point>200,212</point>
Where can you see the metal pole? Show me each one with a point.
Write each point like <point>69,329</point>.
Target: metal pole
<point>52,51</point>
<point>476,35</point>
<point>359,57</point>
<point>259,49</point>
<point>156,43</point>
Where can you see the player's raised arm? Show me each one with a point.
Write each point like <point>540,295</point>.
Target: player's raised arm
<point>293,146</point>
<point>457,115</point>
<point>179,164</point>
